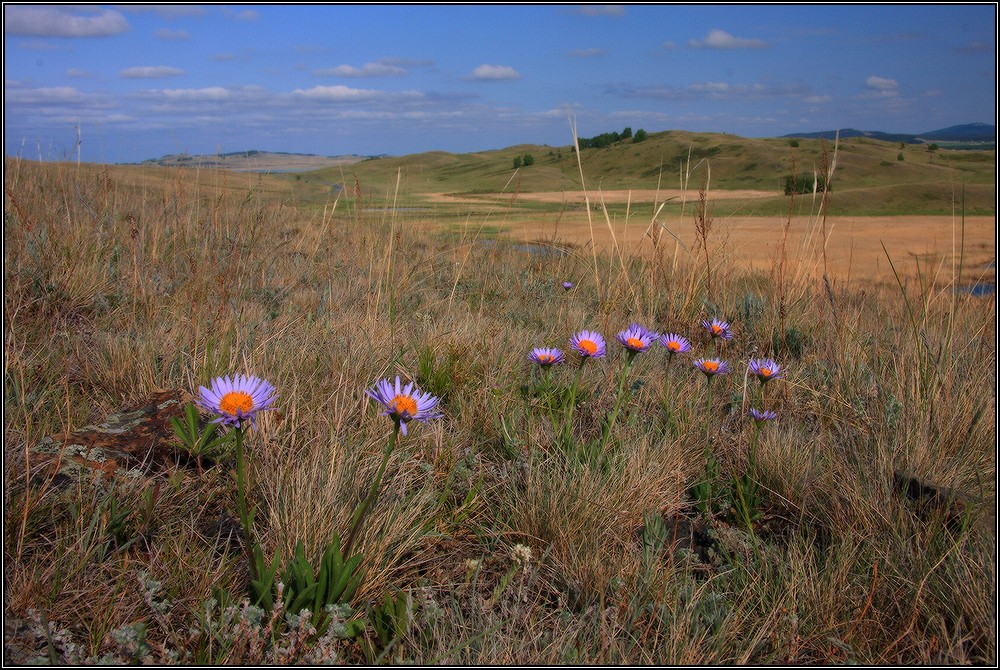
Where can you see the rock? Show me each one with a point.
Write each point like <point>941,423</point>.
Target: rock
<point>134,443</point>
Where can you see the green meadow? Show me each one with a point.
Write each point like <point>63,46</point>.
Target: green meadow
<point>616,509</point>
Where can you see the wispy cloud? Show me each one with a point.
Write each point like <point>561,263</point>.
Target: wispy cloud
<point>882,87</point>
<point>150,72</point>
<point>169,12</point>
<point>44,45</point>
<point>78,73</point>
<point>720,39</point>
<point>62,21</point>
<point>209,93</point>
<point>173,35</point>
<point>336,93</point>
<point>244,15</point>
<point>712,90</point>
<point>494,73</point>
<point>588,53</point>
<point>978,48</point>
<point>375,69</point>
<point>601,10</point>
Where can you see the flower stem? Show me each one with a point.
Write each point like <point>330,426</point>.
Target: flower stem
<point>666,386</point>
<point>708,416</point>
<point>568,426</point>
<point>242,509</point>
<point>362,511</point>
<point>618,401</point>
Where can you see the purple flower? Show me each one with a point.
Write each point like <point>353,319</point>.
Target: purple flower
<point>635,338</point>
<point>712,366</point>
<point>567,285</point>
<point>589,344</point>
<point>765,369</point>
<point>717,328</point>
<point>236,400</point>
<point>674,343</point>
<point>404,404</point>
<point>546,357</point>
<point>761,416</point>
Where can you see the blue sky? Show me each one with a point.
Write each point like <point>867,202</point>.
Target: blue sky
<point>144,81</point>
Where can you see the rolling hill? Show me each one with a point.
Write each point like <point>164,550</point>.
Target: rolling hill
<point>871,175</point>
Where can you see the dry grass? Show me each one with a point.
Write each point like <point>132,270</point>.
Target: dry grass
<point>120,281</point>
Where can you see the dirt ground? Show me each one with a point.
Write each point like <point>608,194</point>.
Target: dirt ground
<point>609,197</point>
<point>854,244</point>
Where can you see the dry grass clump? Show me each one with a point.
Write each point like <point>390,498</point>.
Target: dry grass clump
<point>117,284</point>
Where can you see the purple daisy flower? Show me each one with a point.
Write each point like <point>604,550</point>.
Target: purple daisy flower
<point>589,344</point>
<point>636,338</point>
<point>567,285</point>
<point>404,404</point>
<point>712,366</point>
<point>236,400</point>
<point>674,343</point>
<point>718,328</point>
<point>546,357</point>
<point>762,415</point>
<point>765,369</point>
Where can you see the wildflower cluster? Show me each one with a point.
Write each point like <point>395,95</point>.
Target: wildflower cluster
<point>237,403</point>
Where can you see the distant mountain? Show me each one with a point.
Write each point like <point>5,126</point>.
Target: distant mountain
<point>256,161</point>
<point>969,132</point>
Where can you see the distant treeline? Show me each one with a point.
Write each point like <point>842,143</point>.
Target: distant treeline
<point>607,139</point>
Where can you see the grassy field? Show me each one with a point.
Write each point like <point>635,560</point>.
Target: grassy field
<point>617,510</point>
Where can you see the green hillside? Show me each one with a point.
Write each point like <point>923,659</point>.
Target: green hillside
<point>874,176</point>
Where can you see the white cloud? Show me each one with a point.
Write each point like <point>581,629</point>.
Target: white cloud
<point>720,39</point>
<point>336,93</point>
<point>378,69</point>
<point>55,95</point>
<point>173,35</point>
<point>150,72</point>
<point>882,85</point>
<point>62,21</point>
<point>78,73</point>
<point>495,73</point>
<point>211,93</point>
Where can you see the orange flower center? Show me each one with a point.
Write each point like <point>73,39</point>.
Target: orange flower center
<point>634,343</point>
<point>765,372</point>
<point>674,346</point>
<point>588,346</point>
<point>403,403</point>
<point>710,366</point>
<point>236,401</point>
<point>716,328</point>
<point>545,359</point>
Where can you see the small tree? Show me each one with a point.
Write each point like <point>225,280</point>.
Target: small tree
<point>793,144</point>
<point>932,147</point>
<point>900,156</point>
<point>627,133</point>
<point>517,162</point>
<point>640,136</point>
<point>528,160</point>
